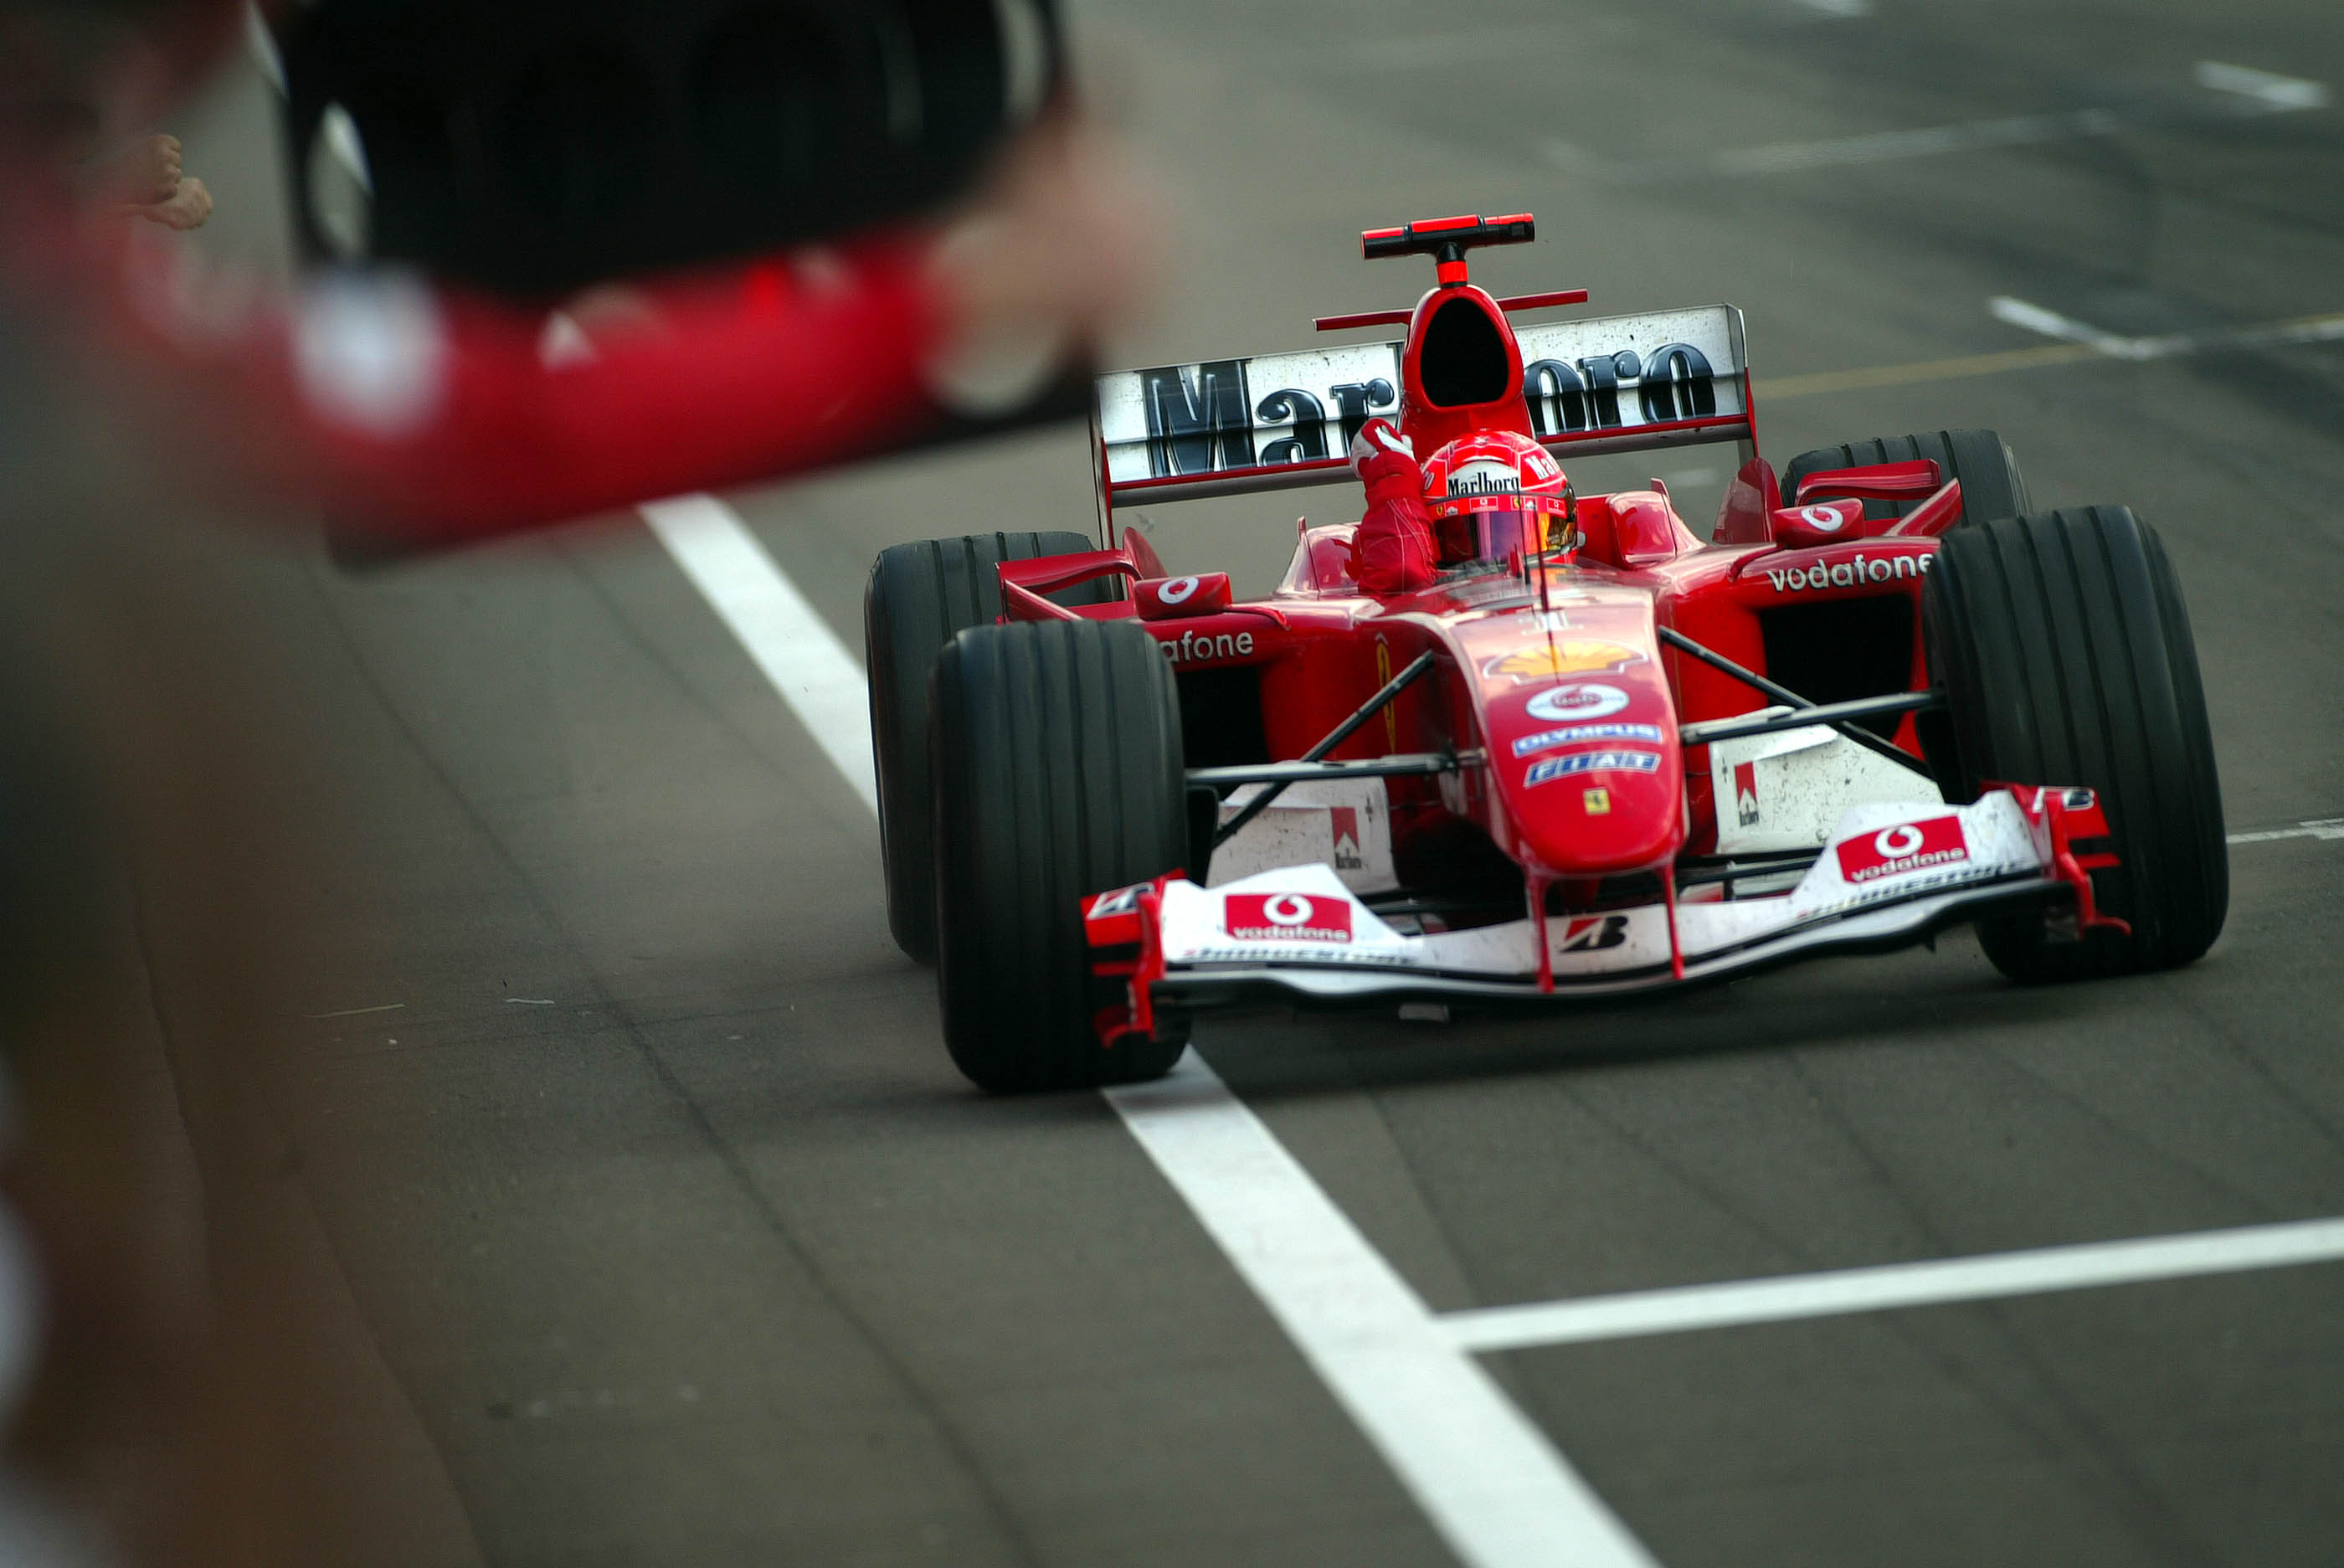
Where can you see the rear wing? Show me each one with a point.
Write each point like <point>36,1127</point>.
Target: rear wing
<point>1280,421</point>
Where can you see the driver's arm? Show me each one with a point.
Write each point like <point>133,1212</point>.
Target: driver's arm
<point>1392,552</point>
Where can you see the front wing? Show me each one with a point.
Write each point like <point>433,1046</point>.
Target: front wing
<point>1889,875</point>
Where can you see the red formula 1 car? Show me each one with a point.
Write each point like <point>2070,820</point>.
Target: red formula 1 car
<point>1590,753</point>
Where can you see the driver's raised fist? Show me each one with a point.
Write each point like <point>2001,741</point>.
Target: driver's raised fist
<point>1392,550</point>
<point>1378,444</point>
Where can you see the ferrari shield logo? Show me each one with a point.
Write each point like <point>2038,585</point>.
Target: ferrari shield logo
<point>1571,656</point>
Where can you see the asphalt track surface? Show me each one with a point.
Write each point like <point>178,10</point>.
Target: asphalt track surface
<point>678,1240</point>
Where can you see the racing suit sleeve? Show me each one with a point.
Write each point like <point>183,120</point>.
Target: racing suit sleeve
<point>435,414</point>
<point>437,417</point>
<point>1392,552</point>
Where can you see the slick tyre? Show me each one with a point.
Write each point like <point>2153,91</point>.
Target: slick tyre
<point>1991,485</point>
<point>2064,649</point>
<point>1058,773</point>
<point>919,597</point>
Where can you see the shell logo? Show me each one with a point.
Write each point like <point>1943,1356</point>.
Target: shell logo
<point>1574,656</point>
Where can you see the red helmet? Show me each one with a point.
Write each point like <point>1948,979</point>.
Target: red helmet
<point>1494,492</point>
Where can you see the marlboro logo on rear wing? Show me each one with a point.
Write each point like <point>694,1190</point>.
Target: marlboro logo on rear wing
<point>1277,422</point>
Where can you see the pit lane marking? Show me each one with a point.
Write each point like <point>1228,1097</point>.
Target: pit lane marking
<point>1987,1277</point>
<point>2328,830</point>
<point>2244,93</point>
<point>1494,1486</point>
<point>2081,344</point>
<point>792,646</point>
<point>2277,334</point>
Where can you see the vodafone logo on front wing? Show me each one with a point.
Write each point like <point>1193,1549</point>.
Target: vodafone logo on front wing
<point>1286,917</point>
<point>1907,846</point>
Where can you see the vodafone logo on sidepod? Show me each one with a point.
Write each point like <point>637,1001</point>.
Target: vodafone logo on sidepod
<point>1286,917</point>
<point>1907,846</point>
<point>1179,590</point>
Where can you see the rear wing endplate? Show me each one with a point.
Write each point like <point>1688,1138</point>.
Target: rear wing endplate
<point>1280,421</point>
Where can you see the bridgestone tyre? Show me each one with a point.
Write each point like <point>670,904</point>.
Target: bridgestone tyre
<point>920,596</point>
<point>1058,773</point>
<point>1991,485</point>
<point>2063,646</point>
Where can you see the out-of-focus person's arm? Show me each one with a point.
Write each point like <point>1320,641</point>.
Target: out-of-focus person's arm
<point>439,415</point>
<point>148,179</point>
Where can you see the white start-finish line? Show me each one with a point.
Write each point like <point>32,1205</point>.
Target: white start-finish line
<point>1936,1282</point>
<point>1492,1485</point>
<point>1497,1491</point>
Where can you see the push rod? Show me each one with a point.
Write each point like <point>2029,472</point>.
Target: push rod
<point>1341,732</point>
<point>1783,694</point>
<point>1405,764</point>
<point>1741,729</point>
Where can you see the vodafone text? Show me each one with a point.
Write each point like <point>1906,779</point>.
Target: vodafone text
<point>1190,647</point>
<point>1908,846</point>
<point>1850,573</point>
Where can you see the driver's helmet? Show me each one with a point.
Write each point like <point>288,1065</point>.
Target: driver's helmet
<point>1494,493</point>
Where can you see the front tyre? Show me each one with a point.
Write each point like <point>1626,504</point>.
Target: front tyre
<point>2064,649</point>
<point>1058,773</point>
<point>1991,485</point>
<point>919,597</point>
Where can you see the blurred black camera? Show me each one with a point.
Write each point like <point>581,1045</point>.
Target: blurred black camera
<point>538,147</point>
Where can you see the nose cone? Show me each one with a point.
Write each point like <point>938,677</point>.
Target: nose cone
<point>1586,775</point>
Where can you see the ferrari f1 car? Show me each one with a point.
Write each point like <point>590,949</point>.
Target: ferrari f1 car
<point>1595,754</point>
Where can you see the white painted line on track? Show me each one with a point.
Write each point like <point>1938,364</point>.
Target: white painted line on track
<point>2033,318</point>
<point>2246,94</point>
<point>2278,94</point>
<point>1496,1489</point>
<point>2329,831</point>
<point>792,644</point>
<point>1878,147</point>
<point>1492,1485</point>
<point>1802,1296</point>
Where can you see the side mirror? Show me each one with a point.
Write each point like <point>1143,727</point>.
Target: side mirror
<point>535,147</point>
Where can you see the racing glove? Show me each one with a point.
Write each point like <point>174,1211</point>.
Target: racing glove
<point>1392,552</point>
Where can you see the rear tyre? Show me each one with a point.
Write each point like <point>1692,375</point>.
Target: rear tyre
<point>2064,649</point>
<point>1058,773</point>
<point>1991,485</point>
<point>919,597</point>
